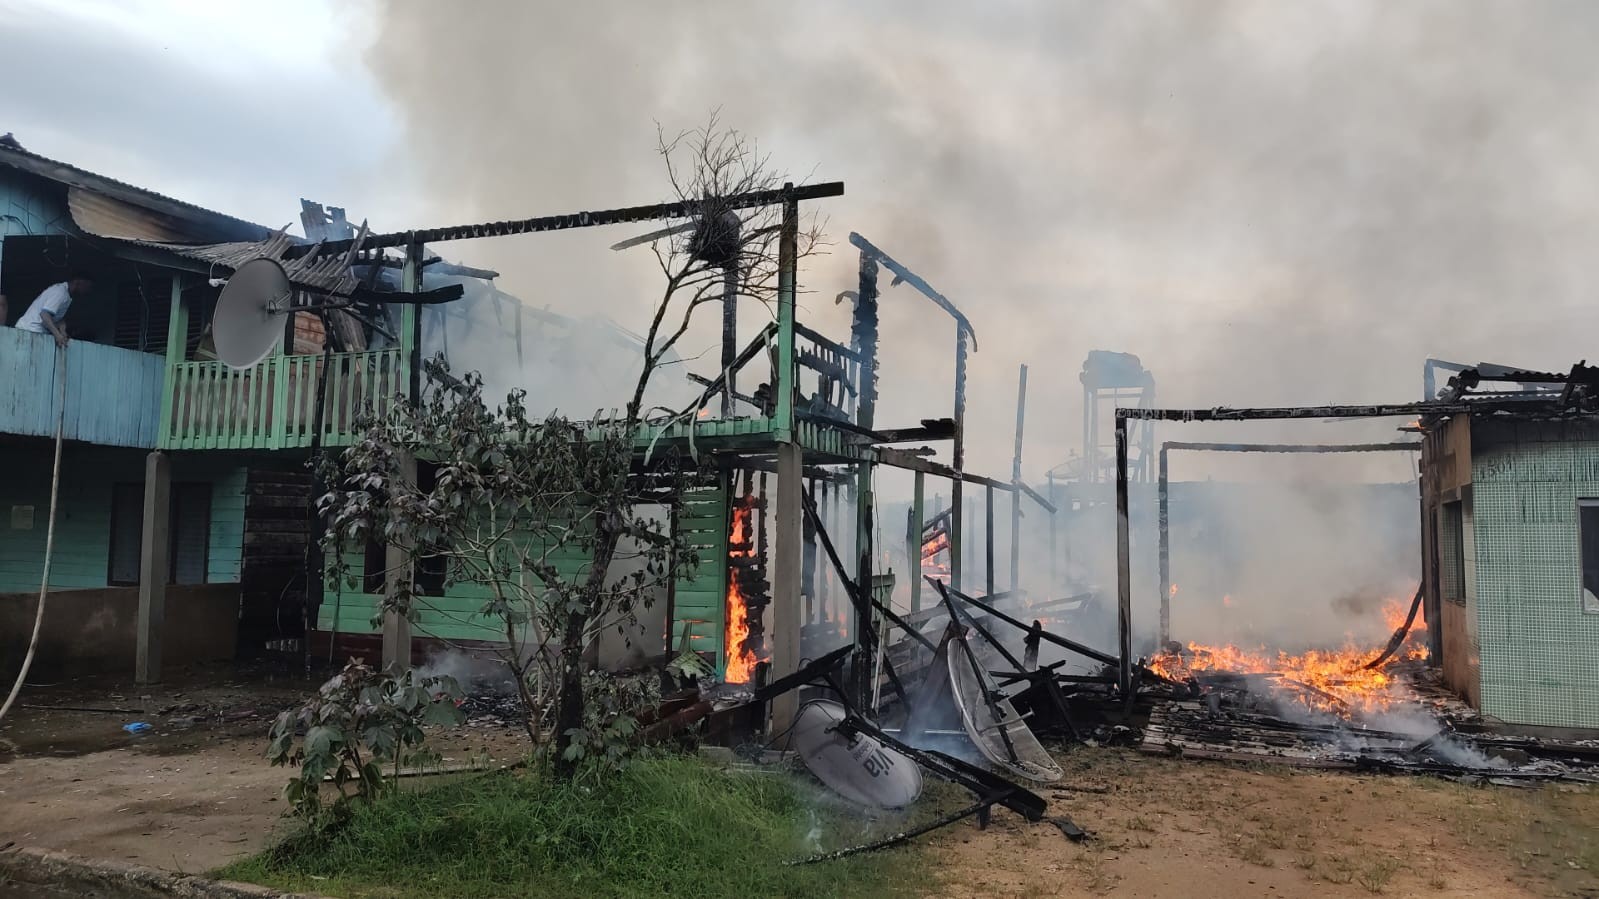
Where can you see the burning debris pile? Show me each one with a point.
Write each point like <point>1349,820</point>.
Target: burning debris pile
<point>1352,707</point>
<point>1352,682</point>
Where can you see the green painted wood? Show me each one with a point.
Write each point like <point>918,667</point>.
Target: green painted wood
<point>83,529</point>
<point>113,395</point>
<point>273,406</point>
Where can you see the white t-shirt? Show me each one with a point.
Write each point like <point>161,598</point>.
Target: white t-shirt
<point>53,299</point>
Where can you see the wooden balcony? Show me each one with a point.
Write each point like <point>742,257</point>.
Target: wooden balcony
<point>273,405</point>
<point>113,395</point>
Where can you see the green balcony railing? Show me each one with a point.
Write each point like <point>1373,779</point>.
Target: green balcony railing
<point>273,405</point>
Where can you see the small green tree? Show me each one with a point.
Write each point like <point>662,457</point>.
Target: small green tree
<point>357,721</point>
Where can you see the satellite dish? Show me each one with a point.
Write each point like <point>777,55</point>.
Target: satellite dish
<point>248,324</point>
<point>856,766</point>
<point>1007,741</point>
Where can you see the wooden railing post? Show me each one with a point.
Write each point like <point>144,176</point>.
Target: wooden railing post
<point>177,348</point>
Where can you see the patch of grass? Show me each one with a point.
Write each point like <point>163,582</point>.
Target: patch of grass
<point>1140,823</point>
<point>1374,875</point>
<point>665,826</point>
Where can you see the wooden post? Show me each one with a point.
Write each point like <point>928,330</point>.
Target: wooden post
<point>154,550</point>
<point>916,542</point>
<point>1124,563</point>
<point>398,575</point>
<point>1016,480</point>
<point>729,336</point>
<point>1163,525</point>
<point>411,322</point>
<point>957,520</point>
<point>788,545</point>
<point>1090,462</point>
<point>865,617</point>
<point>1054,537</point>
<point>177,349</point>
<point>824,571</point>
<point>988,540</point>
<point>786,550</point>
<point>787,283</point>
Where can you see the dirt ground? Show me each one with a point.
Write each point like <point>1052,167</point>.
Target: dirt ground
<point>194,793</point>
<point>1174,828</point>
<point>191,794</point>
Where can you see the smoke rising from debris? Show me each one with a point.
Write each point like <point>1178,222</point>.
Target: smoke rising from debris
<point>1271,204</point>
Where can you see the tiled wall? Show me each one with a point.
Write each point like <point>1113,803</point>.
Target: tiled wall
<point>1538,647</point>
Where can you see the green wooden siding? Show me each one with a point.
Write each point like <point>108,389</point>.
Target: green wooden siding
<point>700,595</point>
<point>699,601</point>
<point>453,616</point>
<point>1537,643</point>
<point>83,529</point>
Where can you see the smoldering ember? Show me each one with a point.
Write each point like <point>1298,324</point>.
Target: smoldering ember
<point>757,451</point>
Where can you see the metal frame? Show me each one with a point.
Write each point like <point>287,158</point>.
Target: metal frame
<point>1124,594</point>
<point>1162,496</point>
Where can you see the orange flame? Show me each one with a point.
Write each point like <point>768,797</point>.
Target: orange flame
<point>1329,680</point>
<point>740,660</point>
<point>1173,590</point>
<point>705,413</point>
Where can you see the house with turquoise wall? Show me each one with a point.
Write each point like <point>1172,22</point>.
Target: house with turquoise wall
<point>1510,534</point>
<point>153,422</point>
<point>138,390</point>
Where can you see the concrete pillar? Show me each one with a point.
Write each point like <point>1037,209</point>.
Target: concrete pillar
<point>399,575</point>
<point>154,550</point>
<point>786,549</point>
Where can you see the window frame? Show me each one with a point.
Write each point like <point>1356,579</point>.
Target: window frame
<point>137,489</point>
<point>1585,502</point>
<point>205,530</point>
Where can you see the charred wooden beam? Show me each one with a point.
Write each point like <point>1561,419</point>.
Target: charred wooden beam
<point>680,209</point>
<point>827,343</point>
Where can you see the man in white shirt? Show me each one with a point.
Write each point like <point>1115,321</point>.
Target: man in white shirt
<point>47,313</point>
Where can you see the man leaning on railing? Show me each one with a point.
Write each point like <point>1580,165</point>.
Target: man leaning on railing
<point>47,313</point>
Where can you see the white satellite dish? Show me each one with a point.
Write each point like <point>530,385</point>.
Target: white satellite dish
<point>1024,755</point>
<point>248,324</point>
<point>857,766</point>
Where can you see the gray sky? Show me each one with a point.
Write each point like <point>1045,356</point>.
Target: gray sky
<point>1271,203</point>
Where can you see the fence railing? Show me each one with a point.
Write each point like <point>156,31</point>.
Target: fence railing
<point>273,405</point>
<point>113,395</point>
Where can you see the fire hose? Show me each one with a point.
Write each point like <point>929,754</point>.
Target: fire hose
<point>1398,638</point>
<point>49,532</point>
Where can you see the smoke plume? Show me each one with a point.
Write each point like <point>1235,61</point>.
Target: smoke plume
<point>1270,203</point>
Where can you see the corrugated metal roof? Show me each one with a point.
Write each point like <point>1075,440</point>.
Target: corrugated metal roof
<point>315,271</point>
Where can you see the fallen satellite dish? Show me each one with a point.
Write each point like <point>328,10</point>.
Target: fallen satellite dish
<point>855,765</point>
<point>248,324</point>
<point>1006,741</point>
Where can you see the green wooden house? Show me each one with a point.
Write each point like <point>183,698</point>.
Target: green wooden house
<point>183,525</point>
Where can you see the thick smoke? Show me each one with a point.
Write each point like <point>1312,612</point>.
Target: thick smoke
<point>1270,203</point>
